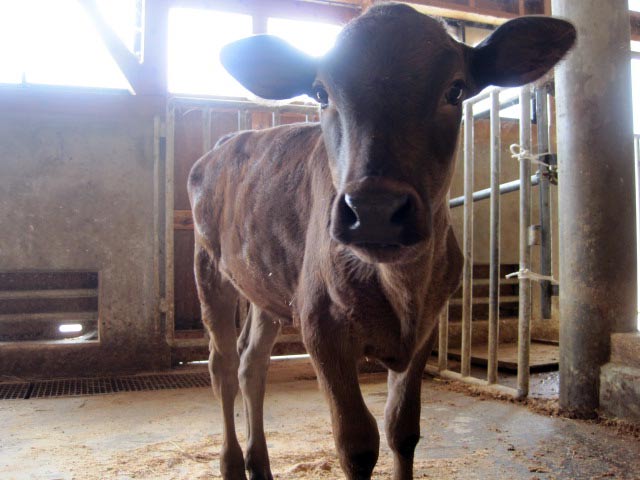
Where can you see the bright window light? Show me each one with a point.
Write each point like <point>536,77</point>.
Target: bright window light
<point>70,328</point>
<point>125,18</point>
<point>195,40</point>
<point>55,43</point>
<point>313,38</point>
<point>506,96</point>
<point>634,5</point>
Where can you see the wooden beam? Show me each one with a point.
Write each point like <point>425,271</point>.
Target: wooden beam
<point>334,12</point>
<point>146,77</point>
<point>446,9</point>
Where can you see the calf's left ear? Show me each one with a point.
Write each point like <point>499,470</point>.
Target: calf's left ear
<point>269,67</point>
<point>521,51</point>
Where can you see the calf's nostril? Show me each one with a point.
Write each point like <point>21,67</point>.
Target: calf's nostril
<point>348,212</point>
<point>403,210</point>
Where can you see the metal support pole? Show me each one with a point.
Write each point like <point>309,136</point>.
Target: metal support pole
<point>168,230</point>
<point>524,311</point>
<point>443,338</point>
<point>467,272</point>
<point>597,215</point>
<point>494,241</point>
<point>544,195</point>
<point>206,130</point>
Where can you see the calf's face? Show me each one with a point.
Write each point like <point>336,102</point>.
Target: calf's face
<point>391,92</point>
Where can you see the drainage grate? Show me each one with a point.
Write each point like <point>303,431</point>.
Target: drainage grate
<point>13,391</point>
<point>76,387</point>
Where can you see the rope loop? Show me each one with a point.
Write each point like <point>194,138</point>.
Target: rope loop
<point>525,273</point>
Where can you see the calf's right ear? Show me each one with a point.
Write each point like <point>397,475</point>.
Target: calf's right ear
<point>269,67</point>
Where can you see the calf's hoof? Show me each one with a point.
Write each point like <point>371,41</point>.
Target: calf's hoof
<point>359,466</point>
<point>232,464</point>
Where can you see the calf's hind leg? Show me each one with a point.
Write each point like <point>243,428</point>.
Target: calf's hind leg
<point>255,346</point>
<point>218,301</point>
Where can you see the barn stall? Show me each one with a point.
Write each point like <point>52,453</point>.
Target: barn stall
<point>103,353</point>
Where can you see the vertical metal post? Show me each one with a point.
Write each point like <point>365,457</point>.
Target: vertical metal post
<point>544,196</point>
<point>275,118</point>
<point>636,148</point>
<point>168,231</point>
<point>596,217</point>
<point>443,338</point>
<point>157,220</point>
<point>494,240</point>
<point>243,120</point>
<point>206,130</point>
<point>467,272</point>
<point>524,311</point>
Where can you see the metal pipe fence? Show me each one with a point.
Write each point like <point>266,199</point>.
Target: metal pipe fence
<point>523,184</point>
<point>208,107</point>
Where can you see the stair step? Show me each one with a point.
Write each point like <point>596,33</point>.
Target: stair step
<point>48,294</point>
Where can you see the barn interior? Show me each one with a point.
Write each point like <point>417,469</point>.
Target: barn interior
<point>106,105</point>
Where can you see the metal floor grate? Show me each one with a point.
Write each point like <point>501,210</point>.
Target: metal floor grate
<point>76,387</point>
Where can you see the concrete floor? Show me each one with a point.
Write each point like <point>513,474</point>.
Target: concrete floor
<point>175,434</point>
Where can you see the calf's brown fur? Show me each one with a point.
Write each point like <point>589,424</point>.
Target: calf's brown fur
<point>342,227</point>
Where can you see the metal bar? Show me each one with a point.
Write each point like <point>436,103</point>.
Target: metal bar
<point>507,187</point>
<point>168,229</point>
<point>443,338</point>
<point>467,275</point>
<point>494,241</point>
<point>275,118</point>
<point>476,382</point>
<point>636,145</point>
<point>196,102</point>
<point>157,221</point>
<point>206,130</point>
<point>524,311</point>
<point>544,197</point>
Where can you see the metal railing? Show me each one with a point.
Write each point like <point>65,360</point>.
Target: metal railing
<point>524,184</point>
<point>636,149</point>
<point>209,107</point>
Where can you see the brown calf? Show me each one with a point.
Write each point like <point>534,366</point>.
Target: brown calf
<point>343,227</point>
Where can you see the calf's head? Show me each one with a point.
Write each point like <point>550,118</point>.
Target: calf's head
<point>391,92</point>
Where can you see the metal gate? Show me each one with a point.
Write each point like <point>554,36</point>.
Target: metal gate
<point>523,152</point>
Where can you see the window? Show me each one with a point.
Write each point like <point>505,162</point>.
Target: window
<point>634,5</point>
<point>195,40</point>
<point>313,38</point>
<point>59,45</point>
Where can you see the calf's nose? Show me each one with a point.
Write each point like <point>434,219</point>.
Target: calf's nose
<point>375,218</point>
<point>381,210</point>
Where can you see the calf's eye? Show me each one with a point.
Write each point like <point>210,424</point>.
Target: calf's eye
<point>455,94</point>
<point>321,96</point>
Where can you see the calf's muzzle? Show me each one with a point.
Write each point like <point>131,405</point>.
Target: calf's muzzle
<point>379,213</point>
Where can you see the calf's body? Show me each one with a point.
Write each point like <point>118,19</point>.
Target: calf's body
<point>342,228</point>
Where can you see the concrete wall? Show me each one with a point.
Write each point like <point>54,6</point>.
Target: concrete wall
<point>77,192</point>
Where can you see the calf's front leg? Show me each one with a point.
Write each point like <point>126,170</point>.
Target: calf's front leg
<point>355,431</point>
<point>402,411</point>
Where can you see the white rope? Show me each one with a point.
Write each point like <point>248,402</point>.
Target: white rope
<point>520,154</point>
<point>527,274</point>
